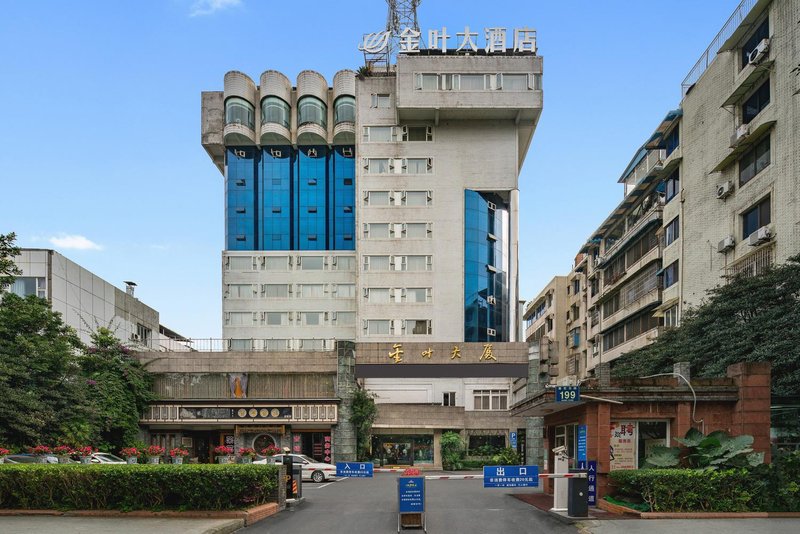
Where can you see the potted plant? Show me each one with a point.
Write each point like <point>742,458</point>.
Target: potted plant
<point>177,454</point>
<point>85,453</point>
<point>131,454</point>
<point>224,454</point>
<point>41,451</point>
<point>270,451</point>
<point>247,454</point>
<point>3,454</point>
<point>63,453</point>
<point>154,454</point>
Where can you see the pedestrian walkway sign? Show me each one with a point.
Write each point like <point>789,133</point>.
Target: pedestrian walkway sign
<point>354,469</point>
<point>510,476</point>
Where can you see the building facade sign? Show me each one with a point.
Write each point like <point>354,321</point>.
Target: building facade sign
<point>396,353</point>
<point>496,41</point>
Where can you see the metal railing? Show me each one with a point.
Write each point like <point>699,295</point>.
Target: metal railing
<point>724,34</point>
<point>752,264</point>
<point>250,345</point>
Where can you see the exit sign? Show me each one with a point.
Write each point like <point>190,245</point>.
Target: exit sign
<point>568,393</point>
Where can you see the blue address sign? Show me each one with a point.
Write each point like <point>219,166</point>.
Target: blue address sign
<point>568,393</point>
<point>510,476</point>
<point>354,469</point>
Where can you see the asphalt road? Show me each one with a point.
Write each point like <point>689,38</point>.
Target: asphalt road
<point>369,506</point>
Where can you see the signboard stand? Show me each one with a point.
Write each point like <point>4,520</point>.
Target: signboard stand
<point>411,503</point>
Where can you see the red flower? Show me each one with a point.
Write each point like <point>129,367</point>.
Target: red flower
<point>222,449</point>
<point>178,451</point>
<point>247,451</point>
<point>39,449</point>
<point>130,451</point>
<point>411,472</point>
<point>272,450</point>
<point>154,450</point>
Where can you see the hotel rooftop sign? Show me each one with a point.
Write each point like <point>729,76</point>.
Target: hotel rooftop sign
<point>496,41</point>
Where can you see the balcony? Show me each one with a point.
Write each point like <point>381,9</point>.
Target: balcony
<point>238,134</point>
<point>648,167</point>
<point>653,215</point>
<point>627,309</point>
<point>754,263</point>
<point>642,340</point>
<point>652,255</point>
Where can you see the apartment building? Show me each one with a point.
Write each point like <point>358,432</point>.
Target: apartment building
<point>546,327</point>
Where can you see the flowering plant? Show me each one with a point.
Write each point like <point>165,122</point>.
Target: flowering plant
<point>223,449</point>
<point>411,472</point>
<point>178,452</point>
<point>129,452</point>
<point>62,450</point>
<point>3,451</point>
<point>39,449</point>
<point>153,451</point>
<point>247,451</point>
<point>272,450</point>
<point>84,451</point>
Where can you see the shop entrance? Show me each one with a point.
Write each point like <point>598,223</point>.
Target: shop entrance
<point>403,449</point>
<point>317,445</point>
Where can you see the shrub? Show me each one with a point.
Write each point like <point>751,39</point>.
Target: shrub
<point>140,487</point>
<point>452,447</point>
<point>506,456</point>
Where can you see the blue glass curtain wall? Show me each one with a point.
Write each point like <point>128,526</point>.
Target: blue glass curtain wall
<point>485,267</point>
<point>280,198</point>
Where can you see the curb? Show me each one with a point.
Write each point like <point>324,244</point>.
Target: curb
<point>227,528</point>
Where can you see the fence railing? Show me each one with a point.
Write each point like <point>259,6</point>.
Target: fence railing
<point>724,34</point>
<point>248,345</point>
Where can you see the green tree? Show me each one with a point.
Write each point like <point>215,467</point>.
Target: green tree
<point>8,269</point>
<point>40,383</point>
<point>749,319</point>
<point>452,448</point>
<point>118,390</point>
<point>364,413</point>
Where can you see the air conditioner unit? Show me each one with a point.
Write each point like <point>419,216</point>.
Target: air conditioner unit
<point>725,189</point>
<point>491,300</point>
<point>491,205</point>
<point>240,153</point>
<point>759,52</point>
<point>762,235</point>
<point>491,332</point>
<point>135,337</point>
<point>741,134</point>
<point>347,152</point>
<point>726,244</point>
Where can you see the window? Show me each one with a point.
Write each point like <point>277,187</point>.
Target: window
<point>494,399</point>
<point>276,344</point>
<point>275,291</point>
<point>379,326</point>
<point>611,306</point>
<point>757,101</point>
<point>378,198</point>
<point>671,274</point>
<point>754,161</point>
<point>344,318</point>
<point>515,82</point>
<point>417,166</point>
<point>671,317</point>
<point>641,247</point>
<point>144,334</point>
<point>639,325</point>
<point>275,110</point>
<point>416,230</point>
<point>417,133</point>
<point>312,263</point>
<point>344,109</point>
<point>377,295</point>
<point>761,33</point>
<point>344,263</point>
<point>566,436</point>
<point>672,141</point>
<point>345,291</point>
<point>311,318</point>
<point>614,270</point>
<point>673,185</point>
<point>244,345</point>
<point>312,291</point>
<point>312,110</point>
<point>241,291</point>
<point>417,263</point>
<point>614,337</point>
<point>418,294</point>
<point>240,111</point>
<point>240,263</point>
<point>23,286</point>
<point>472,82</point>
<point>381,101</point>
<point>376,230</point>
<point>672,231</point>
<point>594,286</point>
<point>427,82</point>
<point>756,217</point>
<point>417,326</point>
<point>276,263</point>
<point>417,198</point>
<point>276,318</point>
<point>379,134</point>
<point>576,286</point>
<point>377,165</point>
<point>377,263</point>
<point>239,319</point>
<point>449,398</point>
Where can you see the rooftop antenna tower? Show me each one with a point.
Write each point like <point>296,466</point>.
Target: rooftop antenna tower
<point>380,48</point>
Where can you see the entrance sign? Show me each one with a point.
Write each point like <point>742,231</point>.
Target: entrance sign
<point>568,393</point>
<point>354,469</point>
<point>592,480</point>
<point>582,443</point>
<point>623,445</point>
<point>510,476</point>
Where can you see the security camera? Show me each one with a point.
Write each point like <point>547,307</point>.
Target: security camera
<point>560,450</point>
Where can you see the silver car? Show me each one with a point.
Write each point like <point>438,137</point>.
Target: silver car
<point>311,469</point>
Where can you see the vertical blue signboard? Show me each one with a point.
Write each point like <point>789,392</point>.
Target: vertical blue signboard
<point>411,494</point>
<point>592,480</point>
<point>512,437</point>
<point>581,443</point>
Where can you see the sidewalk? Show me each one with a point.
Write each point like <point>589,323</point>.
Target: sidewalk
<point>706,526</point>
<point>104,525</point>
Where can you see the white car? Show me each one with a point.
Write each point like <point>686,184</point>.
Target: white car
<point>106,458</point>
<point>312,470</point>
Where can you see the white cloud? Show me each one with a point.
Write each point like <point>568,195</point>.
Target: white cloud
<point>75,242</point>
<point>209,7</point>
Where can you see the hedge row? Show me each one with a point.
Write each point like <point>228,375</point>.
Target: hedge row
<point>139,487</point>
<point>765,488</point>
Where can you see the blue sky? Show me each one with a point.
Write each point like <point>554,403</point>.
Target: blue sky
<point>100,154</point>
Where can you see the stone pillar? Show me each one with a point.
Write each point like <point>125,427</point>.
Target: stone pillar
<point>603,373</point>
<point>535,446</point>
<point>752,412</point>
<point>344,433</point>
<point>684,369</point>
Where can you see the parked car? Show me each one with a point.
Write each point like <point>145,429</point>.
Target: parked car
<point>312,469</point>
<point>29,459</point>
<point>106,458</point>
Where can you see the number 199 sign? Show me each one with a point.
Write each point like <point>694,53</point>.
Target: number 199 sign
<point>568,393</point>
